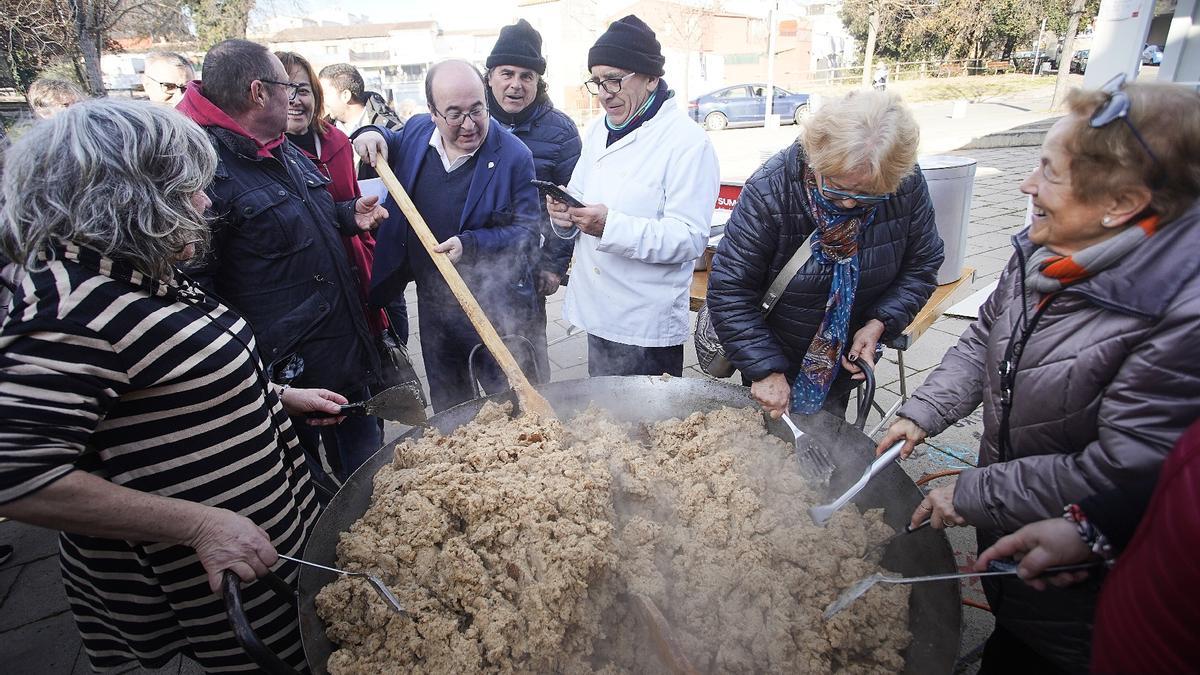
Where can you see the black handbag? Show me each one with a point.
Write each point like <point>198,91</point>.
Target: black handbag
<point>709,350</point>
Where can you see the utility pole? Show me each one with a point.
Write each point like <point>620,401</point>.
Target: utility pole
<point>1037,48</point>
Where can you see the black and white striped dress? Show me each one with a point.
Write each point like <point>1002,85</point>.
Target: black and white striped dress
<point>144,384</point>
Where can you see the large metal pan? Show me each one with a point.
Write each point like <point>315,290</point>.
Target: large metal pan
<point>935,612</point>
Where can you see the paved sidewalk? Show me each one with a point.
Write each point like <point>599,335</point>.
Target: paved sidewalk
<point>37,634</point>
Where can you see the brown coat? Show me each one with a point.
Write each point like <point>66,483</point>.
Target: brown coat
<point>1108,381</point>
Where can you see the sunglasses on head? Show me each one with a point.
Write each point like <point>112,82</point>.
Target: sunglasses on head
<point>1117,108</point>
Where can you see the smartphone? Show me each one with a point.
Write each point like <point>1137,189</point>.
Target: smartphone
<point>557,193</point>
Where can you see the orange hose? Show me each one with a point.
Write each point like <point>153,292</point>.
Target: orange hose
<point>938,474</point>
<point>977,605</point>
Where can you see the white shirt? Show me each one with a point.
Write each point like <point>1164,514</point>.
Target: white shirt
<point>435,142</point>
<point>660,184</point>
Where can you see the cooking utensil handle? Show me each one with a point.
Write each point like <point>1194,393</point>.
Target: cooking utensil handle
<point>1009,566</point>
<point>881,462</point>
<point>312,564</point>
<point>796,433</point>
<point>529,399</point>
<point>909,529</point>
<point>995,569</point>
<point>243,632</point>
<point>348,410</point>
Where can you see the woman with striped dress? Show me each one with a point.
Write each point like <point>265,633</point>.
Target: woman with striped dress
<point>134,414</point>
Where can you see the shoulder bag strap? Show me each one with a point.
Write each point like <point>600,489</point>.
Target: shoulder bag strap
<point>801,256</point>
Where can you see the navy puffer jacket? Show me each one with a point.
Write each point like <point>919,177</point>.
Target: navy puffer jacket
<point>899,256</point>
<point>553,139</point>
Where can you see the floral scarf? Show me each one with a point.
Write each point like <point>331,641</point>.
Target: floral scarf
<point>835,244</point>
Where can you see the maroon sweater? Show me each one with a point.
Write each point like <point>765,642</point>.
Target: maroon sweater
<point>1148,616</point>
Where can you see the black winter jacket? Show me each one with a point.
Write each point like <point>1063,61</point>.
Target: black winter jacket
<point>277,257</point>
<point>553,139</point>
<point>899,255</point>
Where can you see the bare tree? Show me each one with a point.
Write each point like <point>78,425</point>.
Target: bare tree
<point>689,26</point>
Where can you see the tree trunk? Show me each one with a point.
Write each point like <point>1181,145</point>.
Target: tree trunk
<point>87,44</point>
<point>1068,51</point>
<point>869,50</point>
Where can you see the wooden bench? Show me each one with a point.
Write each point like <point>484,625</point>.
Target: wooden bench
<point>999,66</point>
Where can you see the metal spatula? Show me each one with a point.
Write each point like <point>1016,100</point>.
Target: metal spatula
<point>821,514</point>
<point>813,458</point>
<point>401,403</point>
<point>995,568</point>
<point>381,588</point>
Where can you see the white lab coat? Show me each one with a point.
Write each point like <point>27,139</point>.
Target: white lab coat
<point>660,184</point>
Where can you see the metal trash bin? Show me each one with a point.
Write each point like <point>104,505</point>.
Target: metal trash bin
<point>951,181</point>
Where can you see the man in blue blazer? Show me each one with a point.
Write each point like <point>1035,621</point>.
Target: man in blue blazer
<point>471,183</point>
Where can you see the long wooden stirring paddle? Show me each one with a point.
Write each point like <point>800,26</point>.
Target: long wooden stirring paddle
<point>527,397</point>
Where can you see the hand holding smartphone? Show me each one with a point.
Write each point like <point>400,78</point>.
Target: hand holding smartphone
<point>557,193</point>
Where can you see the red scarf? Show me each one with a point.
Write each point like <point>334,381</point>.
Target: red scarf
<point>205,113</point>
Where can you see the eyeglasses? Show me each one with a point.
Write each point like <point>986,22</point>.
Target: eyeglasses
<point>612,84</point>
<point>293,86</point>
<point>169,87</point>
<point>456,117</point>
<point>838,195</point>
<point>1117,107</point>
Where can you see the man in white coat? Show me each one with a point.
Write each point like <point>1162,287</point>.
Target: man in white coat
<point>648,177</point>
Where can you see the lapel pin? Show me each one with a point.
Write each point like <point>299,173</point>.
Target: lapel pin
<point>491,165</point>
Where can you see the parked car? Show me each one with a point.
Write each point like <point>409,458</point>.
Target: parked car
<point>1152,55</point>
<point>1023,61</point>
<point>745,105</point>
<point>1079,61</point>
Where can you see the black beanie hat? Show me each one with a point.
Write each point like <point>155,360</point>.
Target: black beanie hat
<point>518,45</point>
<point>628,44</point>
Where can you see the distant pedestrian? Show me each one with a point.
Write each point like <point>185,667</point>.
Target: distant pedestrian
<point>48,96</point>
<point>879,82</point>
<point>166,77</point>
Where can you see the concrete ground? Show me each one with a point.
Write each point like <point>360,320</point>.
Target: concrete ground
<point>37,634</point>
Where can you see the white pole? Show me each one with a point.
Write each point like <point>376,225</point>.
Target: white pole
<point>1037,48</point>
<point>771,16</point>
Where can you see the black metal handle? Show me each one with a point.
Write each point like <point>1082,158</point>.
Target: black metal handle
<point>520,340</point>
<point>866,392</point>
<point>243,632</point>
<point>348,410</point>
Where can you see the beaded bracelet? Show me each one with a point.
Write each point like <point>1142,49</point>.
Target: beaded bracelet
<point>1093,538</point>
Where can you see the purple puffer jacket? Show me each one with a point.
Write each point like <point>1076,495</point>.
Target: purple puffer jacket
<point>1108,381</point>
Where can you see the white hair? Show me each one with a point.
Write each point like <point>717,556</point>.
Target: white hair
<point>118,176</point>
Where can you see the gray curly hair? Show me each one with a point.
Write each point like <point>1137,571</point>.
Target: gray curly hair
<point>118,176</point>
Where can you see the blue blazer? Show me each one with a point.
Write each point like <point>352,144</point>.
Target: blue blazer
<point>498,227</point>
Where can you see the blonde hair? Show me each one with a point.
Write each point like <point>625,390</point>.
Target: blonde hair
<point>1109,159</point>
<point>865,129</point>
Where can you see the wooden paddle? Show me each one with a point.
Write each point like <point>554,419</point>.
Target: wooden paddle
<point>527,397</point>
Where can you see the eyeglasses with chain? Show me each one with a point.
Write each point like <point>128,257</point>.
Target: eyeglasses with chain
<point>457,117</point>
<point>611,85</point>
<point>293,87</point>
<point>1117,108</point>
